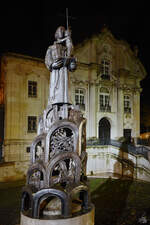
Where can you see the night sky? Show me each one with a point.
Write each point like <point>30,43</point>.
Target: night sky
<point>29,30</point>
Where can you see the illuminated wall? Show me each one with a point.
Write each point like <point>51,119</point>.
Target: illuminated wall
<point>19,70</point>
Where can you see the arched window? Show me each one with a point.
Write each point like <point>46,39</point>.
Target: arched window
<point>80,98</point>
<point>127,104</point>
<point>104,100</point>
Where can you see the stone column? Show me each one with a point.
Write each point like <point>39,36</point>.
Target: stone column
<point>136,114</point>
<point>120,112</point>
<point>92,116</point>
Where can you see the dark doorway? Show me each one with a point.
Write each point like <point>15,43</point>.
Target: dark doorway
<point>127,135</point>
<point>104,131</point>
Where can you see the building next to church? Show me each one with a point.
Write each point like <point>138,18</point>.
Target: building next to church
<point>105,86</point>
<point>25,82</point>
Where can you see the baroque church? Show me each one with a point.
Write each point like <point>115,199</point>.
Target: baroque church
<point>105,87</point>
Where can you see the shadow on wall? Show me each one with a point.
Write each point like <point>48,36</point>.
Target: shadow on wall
<point>124,167</point>
<point>111,203</point>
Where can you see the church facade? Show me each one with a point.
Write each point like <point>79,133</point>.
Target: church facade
<point>105,86</point>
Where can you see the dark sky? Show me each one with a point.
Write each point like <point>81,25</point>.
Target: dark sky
<point>30,29</point>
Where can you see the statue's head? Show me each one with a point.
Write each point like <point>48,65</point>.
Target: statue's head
<point>60,33</point>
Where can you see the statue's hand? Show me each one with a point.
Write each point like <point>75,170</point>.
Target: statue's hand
<point>57,64</point>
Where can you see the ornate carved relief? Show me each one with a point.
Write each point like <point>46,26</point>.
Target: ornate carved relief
<point>61,140</point>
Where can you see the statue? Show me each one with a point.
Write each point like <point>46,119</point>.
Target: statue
<point>56,185</point>
<point>59,61</point>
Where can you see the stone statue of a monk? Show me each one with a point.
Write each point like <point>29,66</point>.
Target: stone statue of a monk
<point>59,61</point>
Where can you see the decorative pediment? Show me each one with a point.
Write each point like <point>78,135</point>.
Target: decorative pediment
<point>118,53</point>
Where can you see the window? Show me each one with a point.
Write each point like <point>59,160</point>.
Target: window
<point>127,135</point>
<point>105,69</point>
<point>32,89</point>
<point>32,121</point>
<point>127,104</point>
<point>79,98</point>
<point>27,149</point>
<point>104,100</point>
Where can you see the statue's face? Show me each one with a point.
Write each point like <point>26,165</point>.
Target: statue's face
<point>60,32</point>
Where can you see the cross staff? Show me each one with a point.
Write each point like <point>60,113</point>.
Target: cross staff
<point>67,18</point>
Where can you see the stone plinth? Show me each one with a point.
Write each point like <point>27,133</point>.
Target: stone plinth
<point>83,219</point>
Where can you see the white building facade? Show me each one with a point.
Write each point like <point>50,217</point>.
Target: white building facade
<point>107,86</point>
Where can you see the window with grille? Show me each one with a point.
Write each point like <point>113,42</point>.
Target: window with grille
<point>104,100</point>
<point>105,69</point>
<point>32,89</point>
<point>32,124</point>
<point>127,104</point>
<point>80,98</point>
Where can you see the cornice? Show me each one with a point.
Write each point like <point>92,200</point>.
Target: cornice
<point>20,56</point>
<point>83,65</point>
<point>79,82</point>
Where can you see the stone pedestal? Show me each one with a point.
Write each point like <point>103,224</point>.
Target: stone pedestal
<point>83,219</point>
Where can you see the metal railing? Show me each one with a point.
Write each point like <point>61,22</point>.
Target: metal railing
<point>101,141</point>
<point>106,108</point>
<point>144,141</point>
<point>126,147</point>
<point>81,106</point>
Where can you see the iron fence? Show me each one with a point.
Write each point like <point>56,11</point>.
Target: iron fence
<point>125,146</point>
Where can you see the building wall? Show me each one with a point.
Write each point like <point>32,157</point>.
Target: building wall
<point>125,70</point>
<point>18,106</point>
<point>109,161</point>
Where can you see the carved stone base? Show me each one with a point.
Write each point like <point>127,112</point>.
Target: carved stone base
<point>83,219</point>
